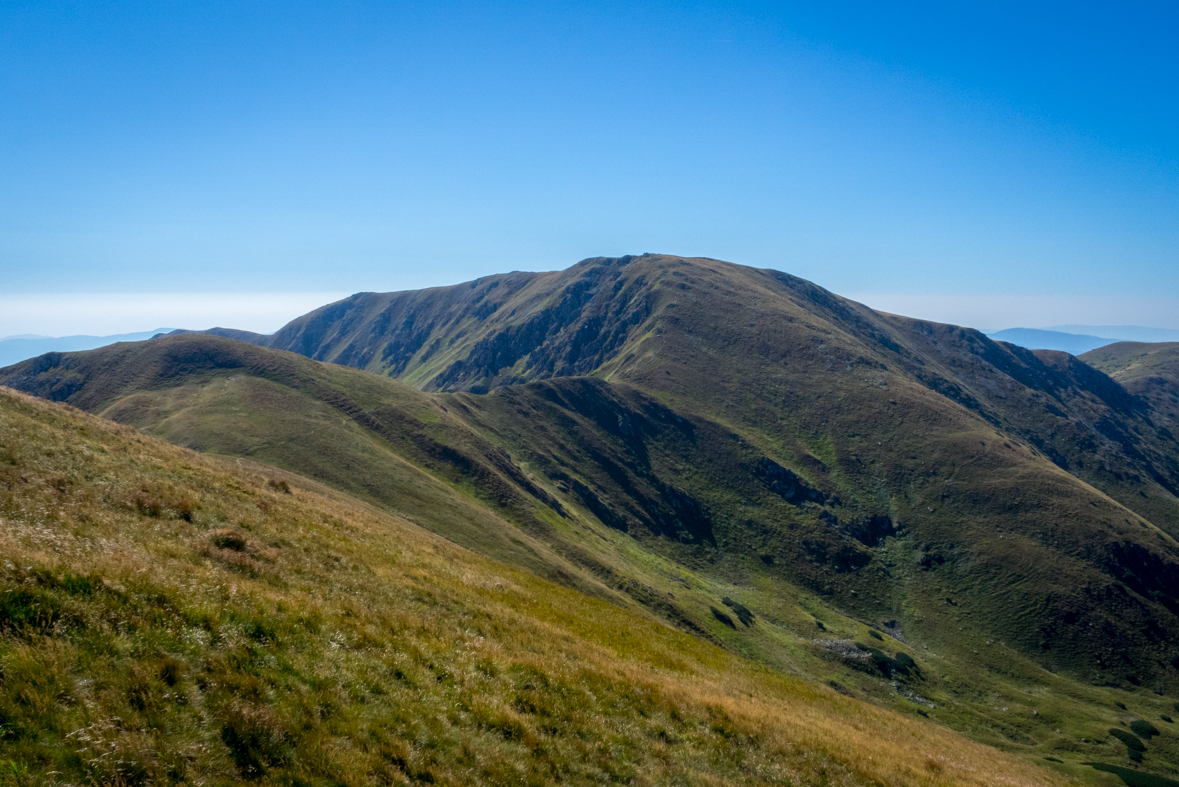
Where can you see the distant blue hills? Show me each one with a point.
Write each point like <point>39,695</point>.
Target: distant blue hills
<point>1121,333</point>
<point>1077,339</point>
<point>1036,339</point>
<point>1074,339</point>
<point>17,348</point>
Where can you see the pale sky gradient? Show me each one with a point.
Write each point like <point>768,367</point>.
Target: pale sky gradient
<point>1026,153</point>
<point>996,312</point>
<point>112,313</point>
<point>107,314</point>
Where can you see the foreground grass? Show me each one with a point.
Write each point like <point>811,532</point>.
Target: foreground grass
<point>171,618</point>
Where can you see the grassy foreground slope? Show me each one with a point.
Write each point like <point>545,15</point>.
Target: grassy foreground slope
<point>172,618</point>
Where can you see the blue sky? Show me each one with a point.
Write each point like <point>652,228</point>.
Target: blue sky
<point>992,164</point>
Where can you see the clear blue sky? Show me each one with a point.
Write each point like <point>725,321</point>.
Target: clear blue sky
<point>937,152</point>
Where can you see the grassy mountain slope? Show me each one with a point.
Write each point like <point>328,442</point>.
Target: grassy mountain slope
<point>172,618</point>
<point>679,514</point>
<point>1147,370</point>
<point>745,346</point>
<point>322,421</point>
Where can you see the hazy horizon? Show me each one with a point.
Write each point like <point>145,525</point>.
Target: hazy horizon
<point>105,314</point>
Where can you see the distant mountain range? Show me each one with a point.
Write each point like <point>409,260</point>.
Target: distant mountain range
<point>1078,339</point>
<point>922,517</point>
<point>18,348</point>
<point>1122,333</point>
<point>1038,339</point>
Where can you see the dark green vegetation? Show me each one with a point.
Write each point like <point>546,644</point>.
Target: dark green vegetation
<point>1132,741</point>
<point>1135,778</point>
<point>171,618</point>
<point>1143,728</point>
<point>943,524</point>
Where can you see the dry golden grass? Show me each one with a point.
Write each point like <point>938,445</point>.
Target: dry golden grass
<point>173,618</point>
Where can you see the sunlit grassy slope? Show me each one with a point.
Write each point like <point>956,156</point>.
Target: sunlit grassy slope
<point>169,617</point>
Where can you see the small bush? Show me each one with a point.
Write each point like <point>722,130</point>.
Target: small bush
<point>742,612</point>
<point>1167,719</point>
<point>255,738</point>
<point>875,635</point>
<point>279,485</point>
<point>170,671</point>
<point>904,663</point>
<point>149,505</point>
<point>1143,728</point>
<point>901,664</point>
<point>840,688</point>
<point>722,617</point>
<point>28,611</point>
<point>186,509</point>
<point>76,585</point>
<point>1133,778</point>
<point>883,663</point>
<point>228,539</point>
<point>141,690</point>
<point>1131,741</point>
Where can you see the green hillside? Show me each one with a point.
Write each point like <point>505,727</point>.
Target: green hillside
<point>171,618</point>
<point>940,524</point>
<point>744,347</point>
<point>322,421</point>
<point>1147,370</point>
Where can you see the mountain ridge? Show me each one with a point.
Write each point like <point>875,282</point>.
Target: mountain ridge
<point>604,317</point>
